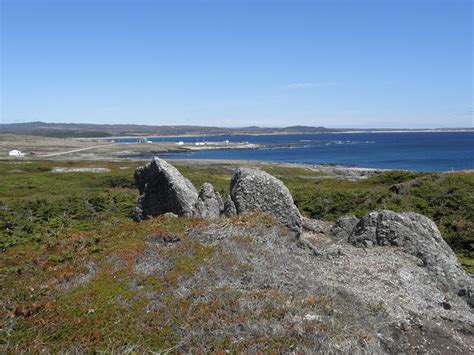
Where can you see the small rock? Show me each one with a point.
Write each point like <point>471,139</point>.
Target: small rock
<point>138,215</point>
<point>467,293</point>
<point>310,317</point>
<point>446,305</point>
<point>220,201</point>
<point>368,243</point>
<point>344,226</point>
<point>163,238</point>
<point>315,225</point>
<point>207,205</point>
<point>229,207</point>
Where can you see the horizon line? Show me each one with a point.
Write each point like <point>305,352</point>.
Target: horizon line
<point>241,127</point>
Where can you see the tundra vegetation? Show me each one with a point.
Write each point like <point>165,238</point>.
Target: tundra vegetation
<point>79,274</point>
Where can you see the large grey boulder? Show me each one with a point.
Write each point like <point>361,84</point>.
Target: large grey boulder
<point>209,202</point>
<point>254,190</point>
<point>417,235</point>
<point>163,189</point>
<point>343,227</point>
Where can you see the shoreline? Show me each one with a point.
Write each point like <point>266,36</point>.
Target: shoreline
<point>336,170</point>
<point>61,149</point>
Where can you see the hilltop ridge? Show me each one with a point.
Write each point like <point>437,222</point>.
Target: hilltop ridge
<point>81,276</point>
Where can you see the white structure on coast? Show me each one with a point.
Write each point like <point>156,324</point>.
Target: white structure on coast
<point>16,153</point>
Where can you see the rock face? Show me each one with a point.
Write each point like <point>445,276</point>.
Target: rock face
<point>220,201</point>
<point>316,226</point>
<point>254,190</point>
<point>417,235</point>
<point>163,189</point>
<point>229,207</point>
<point>209,202</point>
<point>343,227</point>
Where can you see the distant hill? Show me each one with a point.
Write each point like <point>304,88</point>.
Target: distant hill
<point>87,130</point>
<point>306,129</point>
<point>105,130</point>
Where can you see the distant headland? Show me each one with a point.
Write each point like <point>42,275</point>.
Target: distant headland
<point>85,130</point>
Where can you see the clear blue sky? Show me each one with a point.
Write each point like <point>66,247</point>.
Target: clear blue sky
<point>359,63</point>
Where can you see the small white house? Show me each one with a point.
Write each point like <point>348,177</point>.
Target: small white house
<point>180,143</point>
<point>16,153</point>
<point>200,143</point>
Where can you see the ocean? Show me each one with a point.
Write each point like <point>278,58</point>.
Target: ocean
<point>420,151</point>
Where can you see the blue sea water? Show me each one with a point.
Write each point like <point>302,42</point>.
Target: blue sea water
<point>420,151</point>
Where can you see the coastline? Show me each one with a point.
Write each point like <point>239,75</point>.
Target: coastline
<point>276,134</point>
<point>61,149</point>
<point>350,172</point>
<point>333,169</point>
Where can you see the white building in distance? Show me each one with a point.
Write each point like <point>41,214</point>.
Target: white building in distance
<point>16,153</point>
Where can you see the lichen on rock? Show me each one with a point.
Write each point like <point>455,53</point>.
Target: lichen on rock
<point>254,190</point>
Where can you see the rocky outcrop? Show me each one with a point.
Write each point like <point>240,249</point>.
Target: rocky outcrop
<point>163,189</point>
<point>380,293</point>
<point>348,173</point>
<point>343,227</point>
<point>390,276</point>
<point>254,190</point>
<point>416,235</point>
<point>209,202</point>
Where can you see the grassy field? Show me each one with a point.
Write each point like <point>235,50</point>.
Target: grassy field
<point>54,226</point>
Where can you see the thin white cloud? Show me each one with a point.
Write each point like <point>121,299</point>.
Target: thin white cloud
<point>300,85</point>
<point>310,85</point>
